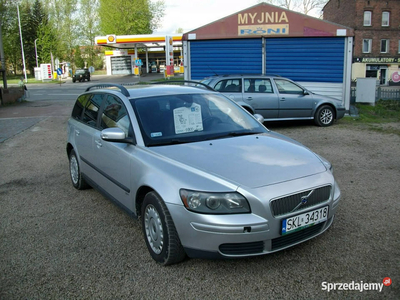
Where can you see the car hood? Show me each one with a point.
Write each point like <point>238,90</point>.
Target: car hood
<point>252,161</point>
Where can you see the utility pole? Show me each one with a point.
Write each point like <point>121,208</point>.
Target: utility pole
<point>22,45</point>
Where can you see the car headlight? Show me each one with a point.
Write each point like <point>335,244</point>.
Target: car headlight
<point>214,203</point>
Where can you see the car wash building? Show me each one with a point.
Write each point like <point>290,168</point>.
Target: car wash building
<point>266,39</point>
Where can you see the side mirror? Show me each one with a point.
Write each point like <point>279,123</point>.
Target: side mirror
<point>305,92</point>
<point>259,118</point>
<point>113,135</point>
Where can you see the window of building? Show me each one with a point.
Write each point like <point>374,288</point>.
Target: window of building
<point>367,18</point>
<point>399,47</point>
<point>385,18</point>
<point>367,45</point>
<point>384,46</point>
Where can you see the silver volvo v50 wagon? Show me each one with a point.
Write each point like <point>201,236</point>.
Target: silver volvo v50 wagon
<point>204,176</point>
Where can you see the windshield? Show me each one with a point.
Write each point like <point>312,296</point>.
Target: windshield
<point>80,72</point>
<point>185,118</point>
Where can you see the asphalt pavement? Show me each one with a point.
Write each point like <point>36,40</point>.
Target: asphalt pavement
<point>52,99</point>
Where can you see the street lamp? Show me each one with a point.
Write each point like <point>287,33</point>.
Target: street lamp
<point>37,65</point>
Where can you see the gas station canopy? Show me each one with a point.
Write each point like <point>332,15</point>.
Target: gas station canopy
<point>130,41</point>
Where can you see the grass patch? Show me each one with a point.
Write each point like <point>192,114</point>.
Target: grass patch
<point>383,117</point>
<point>384,111</point>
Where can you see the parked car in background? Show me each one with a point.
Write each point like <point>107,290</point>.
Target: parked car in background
<point>81,75</point>
<point>277,98</point>
<point>205,177</point>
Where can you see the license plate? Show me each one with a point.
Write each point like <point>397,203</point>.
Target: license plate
<point>304,220</point>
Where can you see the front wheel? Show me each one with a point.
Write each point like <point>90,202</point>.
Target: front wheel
<point>159,231</point>
<point>324,116</point>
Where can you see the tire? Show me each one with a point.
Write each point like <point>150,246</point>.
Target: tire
<point>324,116</point>
<point>75,172</point>
<point>159,231</point>
<point>88,79</point>
<point>74,80</point>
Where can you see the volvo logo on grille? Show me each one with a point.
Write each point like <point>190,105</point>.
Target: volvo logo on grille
<point>304,200</point>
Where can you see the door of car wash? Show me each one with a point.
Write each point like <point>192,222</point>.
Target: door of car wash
<point>315,59</point>
<point>219,57</point>
<point>121,65</point>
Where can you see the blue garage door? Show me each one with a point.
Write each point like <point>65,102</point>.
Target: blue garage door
<point>221,57</point>
<point>306,59</point>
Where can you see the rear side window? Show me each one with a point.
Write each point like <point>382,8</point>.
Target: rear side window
<point>114,115</point>
<point>79,106</point>
<point>229,86</point>
<point>92,110</point>
<point>257,85</point>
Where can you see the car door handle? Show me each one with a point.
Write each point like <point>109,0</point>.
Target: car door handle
<point>98,143</point>
<point>77,132</point>
<point>249,98</point>
<point>283,99</point>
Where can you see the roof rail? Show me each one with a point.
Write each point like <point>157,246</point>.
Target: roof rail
<point>185,81</point>
<point>123,90</point>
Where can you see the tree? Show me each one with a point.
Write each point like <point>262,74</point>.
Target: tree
<point>79,62</point>
<point>10,31</point>
<point>63,15</point>
<point>143,16</point>
<point>32,17</point>
<point>90,28</point>
<point>304,6</point>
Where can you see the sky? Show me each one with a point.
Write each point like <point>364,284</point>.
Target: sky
<point>191,14</point>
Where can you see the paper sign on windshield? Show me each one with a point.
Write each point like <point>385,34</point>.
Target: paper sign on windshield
<point>188,119</point>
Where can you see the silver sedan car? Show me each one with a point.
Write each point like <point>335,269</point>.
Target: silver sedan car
<point>205,177</point>
<point>277,98</point>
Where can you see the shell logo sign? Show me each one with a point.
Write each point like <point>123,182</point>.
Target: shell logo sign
<point>111,39</point>
<point>396,77</point>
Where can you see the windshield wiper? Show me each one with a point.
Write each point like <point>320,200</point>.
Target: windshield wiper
<point>169,142</point>
<point>235,133</point>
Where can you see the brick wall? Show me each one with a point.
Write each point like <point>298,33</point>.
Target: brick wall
<point>351,13</point>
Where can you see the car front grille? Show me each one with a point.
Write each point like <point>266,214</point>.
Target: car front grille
<point>296,237</point>
<point>287,204</point>
<point>242,248</point>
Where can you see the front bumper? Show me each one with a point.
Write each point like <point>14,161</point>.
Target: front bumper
<point>241,235</point>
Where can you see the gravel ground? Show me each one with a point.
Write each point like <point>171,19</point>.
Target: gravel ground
<point>60,243</point>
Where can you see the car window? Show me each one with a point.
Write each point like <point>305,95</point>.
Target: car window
<point>257,85</point>
<point>229,86</point>
<point>114,115</point>
<point>287,87</point>
<point>186,118</point>
<point>79,106</point>
<point>92,110</point>
<point>80,72</point>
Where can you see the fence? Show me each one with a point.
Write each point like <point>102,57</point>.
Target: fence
<point>381,93</point>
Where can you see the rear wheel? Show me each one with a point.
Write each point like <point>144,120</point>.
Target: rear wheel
<point>159,231</point>
<point>75,171</point>
<point>324,116</point>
